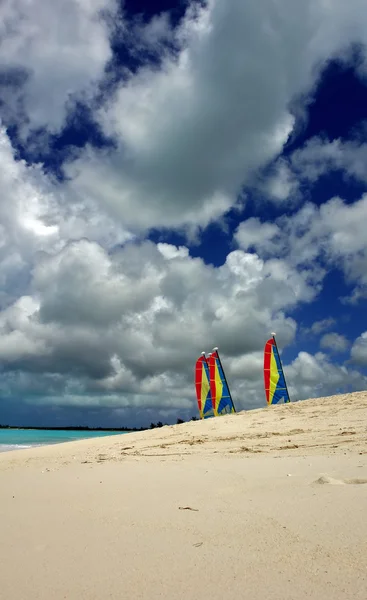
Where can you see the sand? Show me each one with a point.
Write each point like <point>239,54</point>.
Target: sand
<point>264,504</point>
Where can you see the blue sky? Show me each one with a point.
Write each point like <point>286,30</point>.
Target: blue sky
<point>175,176</point>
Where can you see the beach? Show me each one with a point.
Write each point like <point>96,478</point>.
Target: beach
<point>269,503</point>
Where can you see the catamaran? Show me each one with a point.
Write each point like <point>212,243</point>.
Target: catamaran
<point>212,390</point>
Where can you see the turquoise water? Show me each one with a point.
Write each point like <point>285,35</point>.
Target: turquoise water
<point>14,439</point>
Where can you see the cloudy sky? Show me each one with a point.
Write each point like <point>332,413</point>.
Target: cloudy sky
<point>174,176</point>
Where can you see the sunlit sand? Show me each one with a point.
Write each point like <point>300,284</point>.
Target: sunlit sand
<point>269,503</point>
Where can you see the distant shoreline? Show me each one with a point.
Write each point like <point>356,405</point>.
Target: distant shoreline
<point>126,429</point>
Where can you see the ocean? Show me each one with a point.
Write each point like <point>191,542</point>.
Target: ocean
<point>16,439</point>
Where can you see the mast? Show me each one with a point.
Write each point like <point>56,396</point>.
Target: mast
<point>281,364</point>
<point>225,378</point>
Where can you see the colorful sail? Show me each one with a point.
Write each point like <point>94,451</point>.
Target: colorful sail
<point>274,380</point>
<point>221,397</point>
<point>202,386</point>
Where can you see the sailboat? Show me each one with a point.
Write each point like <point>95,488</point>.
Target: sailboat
<point>212,390</point>
<point>202,386</point>
<point>221,396</point>
<point>274,379</point>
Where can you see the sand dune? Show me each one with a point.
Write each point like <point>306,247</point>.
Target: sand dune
<point>318,426</point>
<point>269,503</point>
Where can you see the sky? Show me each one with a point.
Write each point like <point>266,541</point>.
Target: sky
<point>176,176</point>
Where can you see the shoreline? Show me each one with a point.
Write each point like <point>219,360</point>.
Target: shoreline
<point>318,425</point>
<point>28,444</point>
<point>271,501</point>
<point>89,429</point>
<point>16,447</point>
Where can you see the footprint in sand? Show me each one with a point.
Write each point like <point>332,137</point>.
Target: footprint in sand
<point>332,481</point>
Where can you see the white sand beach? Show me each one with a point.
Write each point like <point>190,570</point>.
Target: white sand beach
<point>265,504</point>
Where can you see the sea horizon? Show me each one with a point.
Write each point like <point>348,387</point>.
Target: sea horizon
<point>21,439</point>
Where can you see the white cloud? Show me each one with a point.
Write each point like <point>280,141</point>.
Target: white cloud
<point>319,156</point>
<point>320,326</point>
<point>280,185</point>
<point>311,376</point>
<point>36,216</point>
<point>151,35</point>
<point>359,293</point>
<point>132,322</point>
<point>307,376</point>
<point>88,317</point>
<point>358,352</point>
<point>123,329</point>
<point>333,233</point>
<point>169,251</point>
<point>247,368</point>
<point>51,55</point>
<point>334,342</point>
<point>307,164</point>
<point>192,132</point>
<point>257,234</point>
